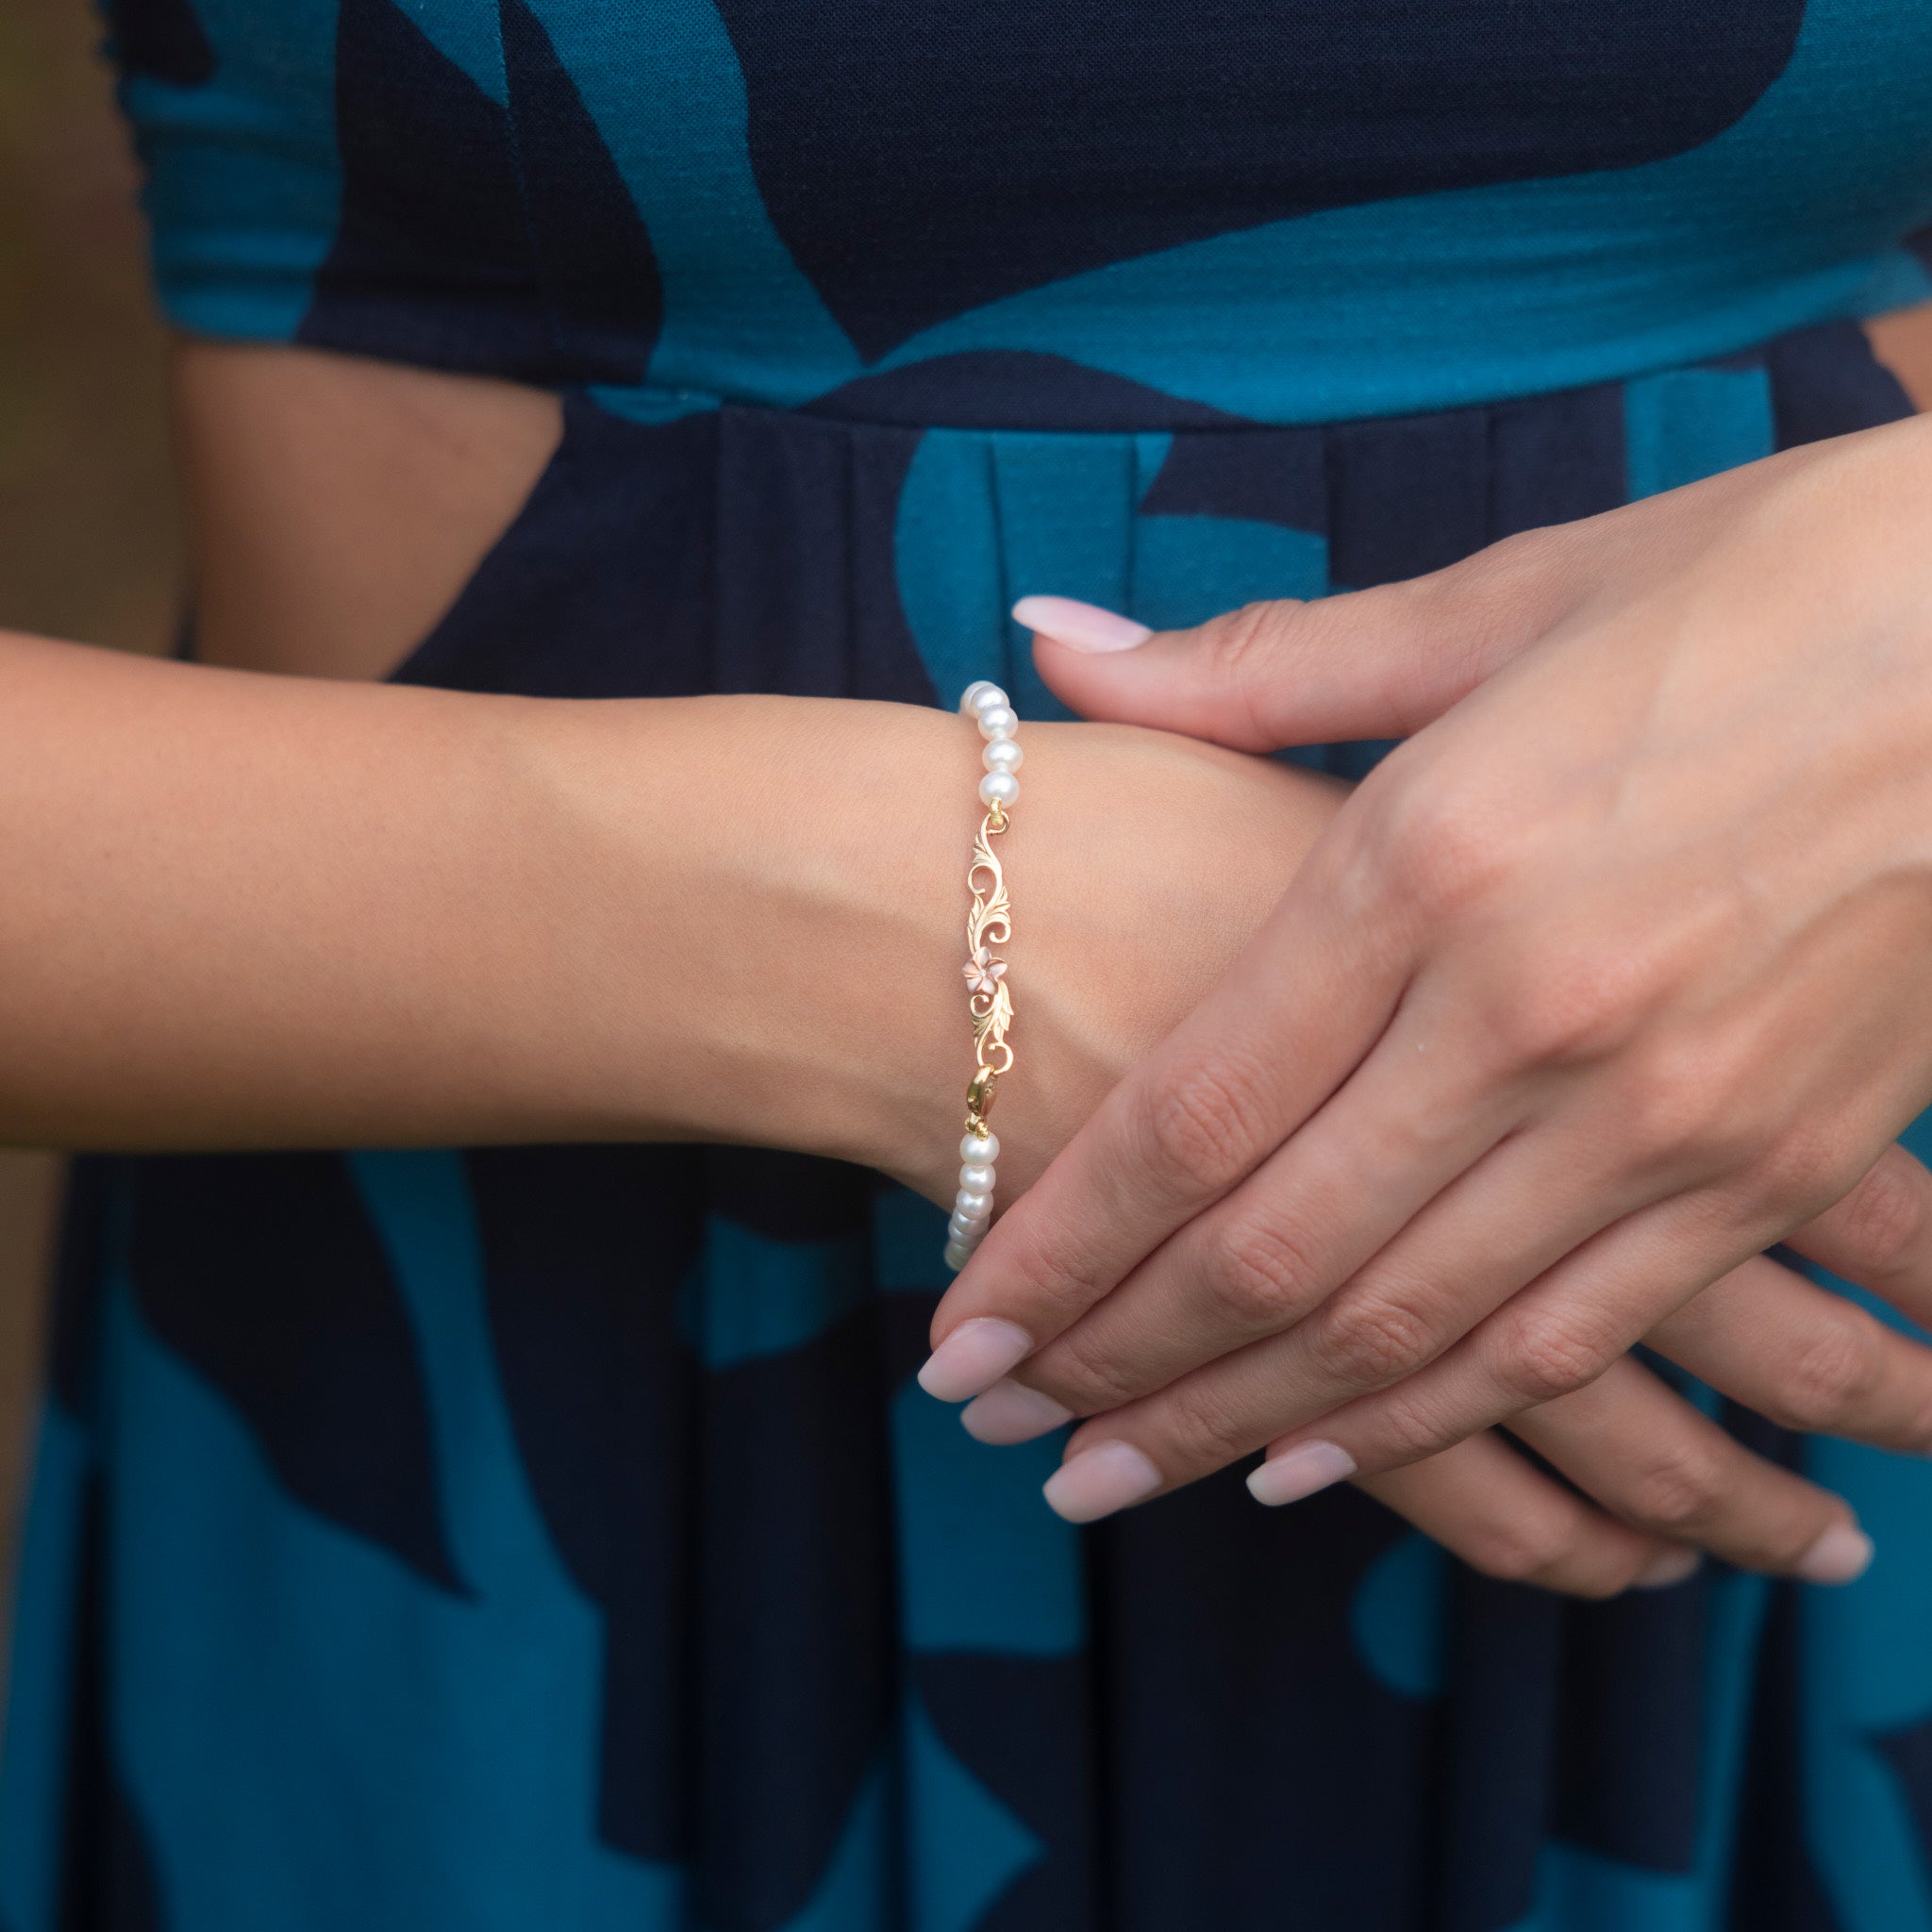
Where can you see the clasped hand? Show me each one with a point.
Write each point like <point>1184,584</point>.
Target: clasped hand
<point>1615,973</point>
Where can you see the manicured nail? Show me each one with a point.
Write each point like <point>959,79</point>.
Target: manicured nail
<point>1010,1412</point>
<point>1674,1566</point>
<point>1300,1472</point>
<point>1841,1555</point>
<point>1085,627</point>
<point>1100,1480</point>
<point>973,1357</point>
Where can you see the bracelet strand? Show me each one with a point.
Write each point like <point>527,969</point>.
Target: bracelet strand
<point>989,923</point>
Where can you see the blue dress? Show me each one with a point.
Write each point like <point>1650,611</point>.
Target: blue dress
<point>483,1541</point>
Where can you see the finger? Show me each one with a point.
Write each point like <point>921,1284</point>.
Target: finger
<point>1185,1125</point>
<point>1303,1225</point>
<point>1804,1357</point>
<point>1652,1459</point>
<point>1375,664</point>
<point>1880,1234</point>
<point>1484,1504</point>
<point>1371,1289</point>
<point>1551,1337</point>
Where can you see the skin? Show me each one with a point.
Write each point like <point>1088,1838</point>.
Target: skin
<point>448,918</point>
<point>1611,976</point>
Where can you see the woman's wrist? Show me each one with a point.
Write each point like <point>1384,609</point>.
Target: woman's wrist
<point>775,899</point>
<point>760,899</point>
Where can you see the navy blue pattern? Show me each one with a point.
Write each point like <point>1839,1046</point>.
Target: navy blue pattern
<point>162,39</point>
<point>1051,137</point>
<point>1291,213</point>
<point>306,1336</point>
<point>531,1536</point>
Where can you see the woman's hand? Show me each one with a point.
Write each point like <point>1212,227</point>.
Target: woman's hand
<point>1108,847</point>
<point>1613,975</point>
<point>1657,1468</point>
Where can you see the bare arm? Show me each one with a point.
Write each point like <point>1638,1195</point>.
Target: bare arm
<point>246,909</point>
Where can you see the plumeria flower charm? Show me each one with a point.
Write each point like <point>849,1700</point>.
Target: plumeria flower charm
<point>983,972</point>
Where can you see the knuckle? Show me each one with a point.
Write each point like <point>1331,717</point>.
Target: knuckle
<point>1800,1173</point>
<point>1518,1551</point>
<point>1243,643</point>
<point>1244,651</point>
<point>1257,1269</point>
<point>1369,1340</point>
<point>1544,1356</point>
<point>1674,1488</point>
<point>1208,1127</point>
<point>1566,1010</point>
<point>1677,1112</point>
<point>1563,1561</point>
<point>1207,1426</point>
<point>1058,1270</point>
<point>1407,1431</point>
<point>1439,853</point>
<point>1883,1218</point>
<point>1087,1375</point>
<point>1829,1384</point>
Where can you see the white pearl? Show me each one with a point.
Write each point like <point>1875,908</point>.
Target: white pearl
<point>969,1201</point>
<point>977,1175</point>
<point>1003,754</point>
<point>981,688</point>
<point>989,694</point>
<point>963,1231</point>
<point>999,787</point>
<point>980,1148</point>
<point>956,1257</point>
<point>998,721</point>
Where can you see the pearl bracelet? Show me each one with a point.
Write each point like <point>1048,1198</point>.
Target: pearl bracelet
<point>990,923</point>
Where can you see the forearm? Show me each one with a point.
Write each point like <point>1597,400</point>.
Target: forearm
<point>255,910</point>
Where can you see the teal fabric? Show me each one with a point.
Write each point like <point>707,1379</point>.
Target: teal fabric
<point>500,1537</point>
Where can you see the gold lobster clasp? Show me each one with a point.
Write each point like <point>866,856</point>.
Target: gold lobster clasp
<point>979,1092</point>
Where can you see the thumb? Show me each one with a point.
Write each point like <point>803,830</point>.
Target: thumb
<point>1378,663</point>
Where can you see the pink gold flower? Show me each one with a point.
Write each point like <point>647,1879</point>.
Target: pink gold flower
<point>983,972</point>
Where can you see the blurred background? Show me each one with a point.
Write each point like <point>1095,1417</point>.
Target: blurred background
<point>89,535</point>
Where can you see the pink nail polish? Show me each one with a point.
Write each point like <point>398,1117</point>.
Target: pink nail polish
<point>1010,1412</point>
<point>1841,1555</point>
<point>1100,1480</point>
<point>1674,1566</point>
<point>1300,1472</point>
<point>1084,626</point>
<point>973,1357</point>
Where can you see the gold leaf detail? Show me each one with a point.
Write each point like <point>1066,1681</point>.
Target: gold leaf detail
<point>989,923</point>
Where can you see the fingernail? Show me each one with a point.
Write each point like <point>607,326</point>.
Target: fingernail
<point>1010,1412</point>
<point>973,1357</point>
<point>1085,627</point>
<point>1841,1555</point>
<point>1300,1472</point>
<point>1674,1566</point>
<point>1100,1480</point>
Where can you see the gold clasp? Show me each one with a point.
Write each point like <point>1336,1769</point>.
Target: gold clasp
<point>979,1092</point>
